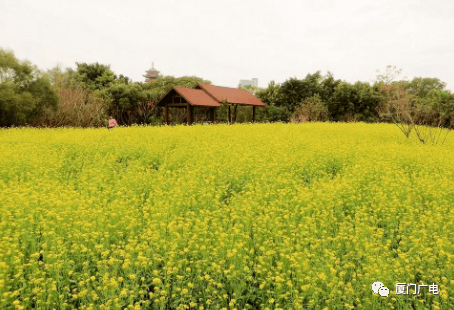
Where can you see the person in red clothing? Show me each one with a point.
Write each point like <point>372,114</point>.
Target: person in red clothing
<point>112,122</point>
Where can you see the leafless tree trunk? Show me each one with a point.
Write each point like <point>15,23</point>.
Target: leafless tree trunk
<point>408,115</point>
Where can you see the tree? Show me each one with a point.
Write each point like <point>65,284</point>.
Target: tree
<point>312,109</point>
<point>355,102</point>
<point>24,91</point>
<point>292,94</point>
<point>369,98</point>
<point>409,114</point>
<point>343,101</point>
<point>441,105</point>
<point>124,100</point>
<point>94,76</point>
<point>422,86</point>
<point>421,105</point>
<point>272,113</point>
<point>270,95</point>
<point>157,88</point>
<point>390,74</point>
<point>77,106</point>
<point>328,87</point>
<point>311,85</point>
<point>294,91</point>
<point>399,107</point>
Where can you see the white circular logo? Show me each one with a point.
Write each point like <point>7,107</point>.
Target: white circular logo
<point>380,288</point>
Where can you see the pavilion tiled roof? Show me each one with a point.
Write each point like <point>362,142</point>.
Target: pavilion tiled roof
<point>211,96</point>
<point>231,95</point>
<point>196,97</point>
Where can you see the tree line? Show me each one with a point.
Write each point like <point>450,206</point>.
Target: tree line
<point>86,96</point>
<point>324,98</point>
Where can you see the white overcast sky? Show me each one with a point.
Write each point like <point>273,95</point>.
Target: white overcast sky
<point>225,41</point>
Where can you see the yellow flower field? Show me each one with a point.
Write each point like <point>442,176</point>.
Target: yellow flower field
<point>257,216</point>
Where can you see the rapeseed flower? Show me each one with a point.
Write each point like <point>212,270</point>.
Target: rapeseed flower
<point>300,216</point>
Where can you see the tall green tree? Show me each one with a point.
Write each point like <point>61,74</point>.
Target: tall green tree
<point>292,93</point>
<point>270,95</point>
<point>24,91</point>
<point>328,87</point>
<point>312,84</point>
<point>439,106</point>
<point>355,102</point>
<point>369,99</point>
<point>273,111</point>
<point>94,76</point>
<point>421,87</point>
<point>343,101</point>
<point>125,100</point>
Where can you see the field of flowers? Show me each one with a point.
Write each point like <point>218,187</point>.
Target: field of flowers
<point>258,216</point>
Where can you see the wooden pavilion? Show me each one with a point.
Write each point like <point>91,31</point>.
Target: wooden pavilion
<point>208,96</point>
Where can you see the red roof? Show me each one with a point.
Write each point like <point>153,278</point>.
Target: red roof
<point>153,72</point>
<point>206,95</point>
<point>196,97</point>
<point>231,95</point>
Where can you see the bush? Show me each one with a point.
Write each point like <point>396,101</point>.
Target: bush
<point>312,109</point>
<point>273,114</point>
<point>77,107</point>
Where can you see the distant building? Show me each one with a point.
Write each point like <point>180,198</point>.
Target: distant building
<point>152,74</point>
<point>254,82</point>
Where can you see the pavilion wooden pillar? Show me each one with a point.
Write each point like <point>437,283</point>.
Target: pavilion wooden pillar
<point>166,114</point>
<point>230,119</point>
<point>253,113</point>
<point>189,112</point>
<point>212,115</point>
<point>234,113</point>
